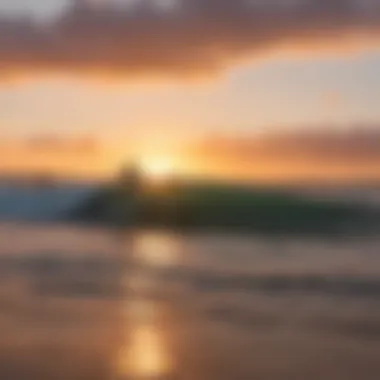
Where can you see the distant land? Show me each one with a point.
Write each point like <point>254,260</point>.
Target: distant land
<point>188,205</point>
<point>221,206</point>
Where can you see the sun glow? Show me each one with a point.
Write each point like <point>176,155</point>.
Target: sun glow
<point>145,352</point>
<point>157,168</point>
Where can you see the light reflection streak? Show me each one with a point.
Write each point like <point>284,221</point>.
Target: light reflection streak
<point>157,250</point>
<point>145,352</point>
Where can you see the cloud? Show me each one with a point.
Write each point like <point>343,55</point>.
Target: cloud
<point>194,38</point>
<point>61,156</point>
<point>81,146</point>
<point>323,155</point>
<point>356,145</point>
<point>281,156</point>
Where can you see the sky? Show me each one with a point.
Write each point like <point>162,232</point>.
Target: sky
<point>146,79</point>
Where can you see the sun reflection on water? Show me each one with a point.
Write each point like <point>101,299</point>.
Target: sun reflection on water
<point>157,250</point>
<point>145,353</point>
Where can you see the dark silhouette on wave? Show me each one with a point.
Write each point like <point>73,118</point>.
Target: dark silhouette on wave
<point>207,206</point>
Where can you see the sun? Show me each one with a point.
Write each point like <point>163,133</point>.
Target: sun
<point>157,168</point>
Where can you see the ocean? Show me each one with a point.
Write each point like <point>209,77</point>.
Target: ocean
<point>96,304</point>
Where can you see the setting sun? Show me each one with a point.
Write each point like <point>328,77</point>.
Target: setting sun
<point>157,168</point>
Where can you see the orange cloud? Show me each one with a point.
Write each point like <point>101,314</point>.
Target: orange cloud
<point>82,156</point>
<point>195,38</point>
<point>288,156</point>
<point>291,156</point>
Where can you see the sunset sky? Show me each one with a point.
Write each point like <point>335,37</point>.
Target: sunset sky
<point>84,87</point>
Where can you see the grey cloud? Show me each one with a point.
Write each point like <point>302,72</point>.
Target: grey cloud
<point>196,37</point>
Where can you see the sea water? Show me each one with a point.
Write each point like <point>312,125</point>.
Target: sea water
<point>93,304</point>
